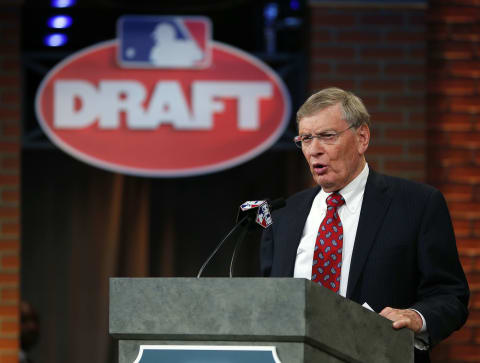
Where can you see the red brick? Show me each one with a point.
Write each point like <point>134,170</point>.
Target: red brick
<point>358,37</point>
<point>370,101</point>
<point>319,67</point>
<point>10,146</point>
<point>382,53</point>
<point>404,69</point>
<point>404,36</point>
<point>9,113</point>
<point>10,228</point>
<point>320,36</point>
<point>416,19</point>
<point>467,263</point>
<point>450,121</point>
<point>9,310</point>
<point>395,101</point>
<point>453,14</point>
<point>385,150</point>
<point>379,117</point>
<point>464,68</point>
<point>465,210</point>
<point>318,84</point>
<point>7,357</point>
<point>438,31</point>
<point>11,130</point>
<point>455,51</point>
<point>466,104</point>
<point>456,139</point>
<point>454,87</point>
<point>457,193</point>
<point>356,68</point>
<point>382,85</point>
<point>468,32</point>
<point>405,134</point>
<point>8,278</point>
<point>417,53</point>
<point>465,175</point>
<point>320,17</point>
<point>452,157</point>
<point>9,294</point>
<point>9,80</point>
<point>462,228</point>
<point>9,212</point>
<point>10,163</point>
<point>333,52</point>
<point>9,245</point>
<point>10,262</point>
<point>383,19</point>
<point>416,85</point>
<point>392,165</point>
<point>10,98</point>
<point>9,327</point>
<point>11,65</point>
<point>476,228</point>
<point>416,150</point>
<point>9,179</point>
<point>8,343</point>
<point>10,196</point>
<point>464,335</point>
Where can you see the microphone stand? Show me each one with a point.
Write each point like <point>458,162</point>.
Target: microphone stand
<point>246,221</point>
<point>240,239</point>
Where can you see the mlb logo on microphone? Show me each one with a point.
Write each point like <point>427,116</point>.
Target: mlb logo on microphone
<point>174,42</point>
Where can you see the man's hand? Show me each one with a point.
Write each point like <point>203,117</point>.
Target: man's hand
<point>403,318</point>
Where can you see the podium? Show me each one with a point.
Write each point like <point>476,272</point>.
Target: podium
<point>302,321</point>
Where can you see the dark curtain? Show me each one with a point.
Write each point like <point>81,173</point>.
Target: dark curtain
<point>82,225</point>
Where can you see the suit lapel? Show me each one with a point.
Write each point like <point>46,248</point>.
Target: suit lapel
<point>375,204</point>
<point>293,232</point>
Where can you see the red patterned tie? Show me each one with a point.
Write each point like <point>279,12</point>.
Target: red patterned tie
<point>327,256</point>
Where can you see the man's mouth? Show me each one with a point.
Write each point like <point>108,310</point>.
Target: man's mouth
<point>319,168</point>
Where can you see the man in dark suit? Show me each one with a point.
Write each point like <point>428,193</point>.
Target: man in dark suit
<point>372,238</point>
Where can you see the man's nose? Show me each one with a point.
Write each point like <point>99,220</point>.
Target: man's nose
<point>316,146</point>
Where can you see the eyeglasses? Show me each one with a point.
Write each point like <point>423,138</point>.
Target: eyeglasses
<point>328,138</point>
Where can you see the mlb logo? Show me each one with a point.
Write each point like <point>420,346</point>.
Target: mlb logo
<point>264,218</point>
<point>251,204</point>
<point>164,42</point>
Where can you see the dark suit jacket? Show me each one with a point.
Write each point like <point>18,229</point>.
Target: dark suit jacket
<point>404,256</point>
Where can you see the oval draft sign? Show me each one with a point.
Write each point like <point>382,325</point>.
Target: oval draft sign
<point>162,99</point>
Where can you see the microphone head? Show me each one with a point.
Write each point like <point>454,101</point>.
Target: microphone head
<point>277,204</point>
<point>263,209</point>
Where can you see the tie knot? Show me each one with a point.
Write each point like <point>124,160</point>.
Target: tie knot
<point>335,200</point>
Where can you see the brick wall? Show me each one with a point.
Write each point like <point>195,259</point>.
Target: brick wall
<point>379,53</point>
<point>454,146</point>
<point>9,180</point>
<point>430,135</point>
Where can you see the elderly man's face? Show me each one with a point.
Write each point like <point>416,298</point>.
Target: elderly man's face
<point>334,165</point>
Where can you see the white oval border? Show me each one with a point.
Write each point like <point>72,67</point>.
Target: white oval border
<point>170,173</point>
<point>271,349</point>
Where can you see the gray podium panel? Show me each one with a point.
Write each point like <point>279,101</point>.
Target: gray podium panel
<point>306,322</point>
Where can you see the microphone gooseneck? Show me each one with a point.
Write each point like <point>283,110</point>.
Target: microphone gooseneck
<point>245,222</point>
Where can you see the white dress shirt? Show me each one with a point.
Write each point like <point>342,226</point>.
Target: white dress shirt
<point>349,215</point>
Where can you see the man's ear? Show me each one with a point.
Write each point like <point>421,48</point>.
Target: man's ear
<point>363,137</point>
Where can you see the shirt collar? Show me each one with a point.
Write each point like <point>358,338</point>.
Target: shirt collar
<point>352,192</point>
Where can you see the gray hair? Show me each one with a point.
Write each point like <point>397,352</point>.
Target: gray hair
<point>354,111</point>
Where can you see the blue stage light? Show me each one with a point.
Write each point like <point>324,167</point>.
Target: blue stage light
<point>62,3</point>
<point>295,4</point>
<point>55,40</point>
<point>270,12</point>
<point>60,21</point>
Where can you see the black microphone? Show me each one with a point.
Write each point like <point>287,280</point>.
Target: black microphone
<point>258,211</point>
<point>264,219</point>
